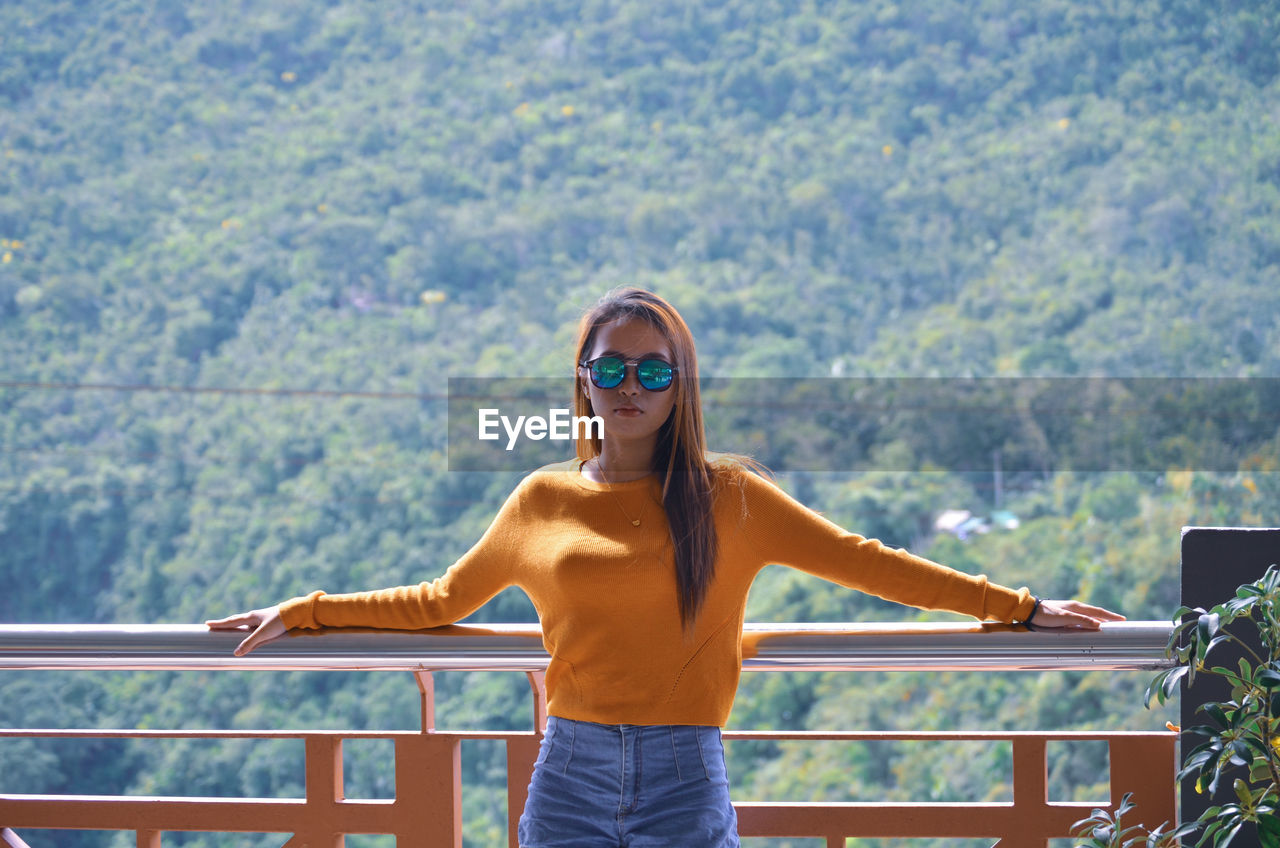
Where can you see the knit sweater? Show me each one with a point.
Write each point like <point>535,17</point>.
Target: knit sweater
<point>605,590</point>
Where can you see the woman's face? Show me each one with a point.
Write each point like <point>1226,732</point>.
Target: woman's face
<point>630,411</point>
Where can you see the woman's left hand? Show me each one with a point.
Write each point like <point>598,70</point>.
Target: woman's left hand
<point>1072,614</point>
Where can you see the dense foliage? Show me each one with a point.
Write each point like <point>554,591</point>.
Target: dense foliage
<point>243,245</point>
<point>1239,742</point>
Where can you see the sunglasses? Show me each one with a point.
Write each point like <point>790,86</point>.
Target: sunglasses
<point>608,372</point>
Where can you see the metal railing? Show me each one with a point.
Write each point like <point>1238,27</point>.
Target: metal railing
<point>426,809</point>
<point>1128,645</point>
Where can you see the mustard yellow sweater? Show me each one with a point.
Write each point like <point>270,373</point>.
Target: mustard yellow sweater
<point>605,590</point>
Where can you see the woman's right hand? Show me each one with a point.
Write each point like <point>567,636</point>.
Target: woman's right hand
<point>264,625</point>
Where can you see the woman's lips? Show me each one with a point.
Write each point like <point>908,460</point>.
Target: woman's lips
<point>627,411</point>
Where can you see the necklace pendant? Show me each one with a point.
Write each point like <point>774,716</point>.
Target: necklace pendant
<point>635,522</point>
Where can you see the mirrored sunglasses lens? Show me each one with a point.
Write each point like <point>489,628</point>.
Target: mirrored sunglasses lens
<point>608,372</point>
<point>654,374</point>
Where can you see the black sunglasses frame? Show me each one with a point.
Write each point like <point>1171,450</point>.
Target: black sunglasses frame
<point>629,364</point>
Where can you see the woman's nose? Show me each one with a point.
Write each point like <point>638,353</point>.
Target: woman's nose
<point>630,380</point>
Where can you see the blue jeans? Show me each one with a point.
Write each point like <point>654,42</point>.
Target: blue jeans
<point>629,786</point>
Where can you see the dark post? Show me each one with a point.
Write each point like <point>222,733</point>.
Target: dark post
<point>1216,560</point>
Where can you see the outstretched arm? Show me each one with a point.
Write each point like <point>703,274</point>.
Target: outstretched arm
<point>778,528</point>
<point>477,576</point>
<point>263,625</point>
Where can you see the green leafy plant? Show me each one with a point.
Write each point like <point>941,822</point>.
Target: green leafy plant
<point>1242,739</point>
<point>1105,829</point>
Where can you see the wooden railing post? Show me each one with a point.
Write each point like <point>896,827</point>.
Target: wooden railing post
<point>148,839</point>
<point>1030,794</point>
<point>324,790</point>
<point>1145,767</point>
<point>427,693</point>
<point>538,683</point>
<point>522,753</point>
<point>428,806</point>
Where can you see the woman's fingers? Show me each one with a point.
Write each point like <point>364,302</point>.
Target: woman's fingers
<point>271,628</point>
<point>1090,610</point>
<point>1072,614</point>
<point>232,622</point>
<point>264,625</point>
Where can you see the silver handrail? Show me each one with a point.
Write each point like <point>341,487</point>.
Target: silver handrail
<point>1129,645</point>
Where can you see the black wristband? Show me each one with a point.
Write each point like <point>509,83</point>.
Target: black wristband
<point>1034,609</point>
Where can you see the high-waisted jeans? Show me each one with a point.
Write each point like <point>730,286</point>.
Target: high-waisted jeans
<point>629,786</point>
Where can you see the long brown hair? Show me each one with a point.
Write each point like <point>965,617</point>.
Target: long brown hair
<point>680,458</point>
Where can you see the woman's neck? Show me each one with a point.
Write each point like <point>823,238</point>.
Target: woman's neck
<point>619,462</point>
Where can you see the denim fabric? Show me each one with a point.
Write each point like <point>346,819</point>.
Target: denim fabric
<point>629,786</point>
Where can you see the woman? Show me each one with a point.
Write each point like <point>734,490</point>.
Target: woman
<point>638,556</point>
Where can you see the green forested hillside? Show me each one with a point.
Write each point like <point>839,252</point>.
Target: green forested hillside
<point>243,245</point>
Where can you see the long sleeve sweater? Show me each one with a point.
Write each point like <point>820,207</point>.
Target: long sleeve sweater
<point>605,589</point>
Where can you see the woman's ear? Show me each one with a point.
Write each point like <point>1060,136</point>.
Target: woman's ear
<point>585,388</point>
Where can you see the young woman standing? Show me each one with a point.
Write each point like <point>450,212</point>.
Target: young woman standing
<point>638,556</point>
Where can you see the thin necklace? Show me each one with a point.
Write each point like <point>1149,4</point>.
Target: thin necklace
<point>635,522</point>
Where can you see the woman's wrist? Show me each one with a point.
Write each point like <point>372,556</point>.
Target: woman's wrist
<point>1035,608</point>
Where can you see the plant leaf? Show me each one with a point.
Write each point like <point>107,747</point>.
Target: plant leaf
<point>1211,830</point>
<point>1242,792</point>
<point>1215,712</point>
<point>1241,755</point>
<point>1206,628</point>
<point>1269,831</point>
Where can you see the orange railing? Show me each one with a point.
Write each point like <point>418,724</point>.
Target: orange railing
<point>426,808</point>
